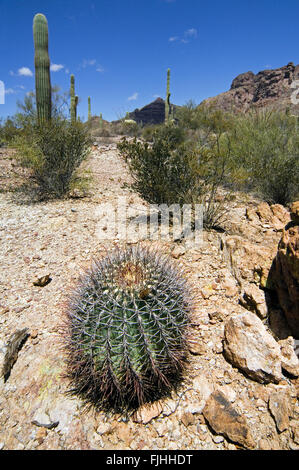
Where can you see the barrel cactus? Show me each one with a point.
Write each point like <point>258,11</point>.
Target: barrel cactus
<point>42,68</point>
<point>126,335</point>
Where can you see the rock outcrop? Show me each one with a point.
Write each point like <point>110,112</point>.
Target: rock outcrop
<point>268,88</point>
<point>284,273</point>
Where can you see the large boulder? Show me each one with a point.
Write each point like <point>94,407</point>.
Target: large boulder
<point>284,273</point>
<point>249,346</point>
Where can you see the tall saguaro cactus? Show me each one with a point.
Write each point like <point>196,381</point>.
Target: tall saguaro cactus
<point>89,108</point>
<point>42,68</point>
<point>167,101</point>
<point>74,100</point>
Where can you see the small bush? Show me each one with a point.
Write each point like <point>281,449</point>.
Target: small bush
<point>53,152</point>
<point>266,147</point>
<point>170,171</point>
<point>8,131</point>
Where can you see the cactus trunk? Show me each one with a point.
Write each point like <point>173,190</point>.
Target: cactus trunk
<point>167,101</point>
<point>42,68</point>
<point>89,108</point>
<point>74,100</point>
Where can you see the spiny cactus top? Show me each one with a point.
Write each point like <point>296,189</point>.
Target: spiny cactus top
<point>42,68</point>
<point>126,337</point>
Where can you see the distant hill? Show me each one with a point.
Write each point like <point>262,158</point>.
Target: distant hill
<point>268,88</point>
<point>152,113</point>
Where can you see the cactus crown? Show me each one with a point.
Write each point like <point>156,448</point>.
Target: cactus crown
<point>127,326</point>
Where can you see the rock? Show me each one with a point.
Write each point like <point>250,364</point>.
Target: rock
<point>230,286</point>
<point>284,275</point>
<point>224,419</point>
<point>43,420</point>
<point>289,359</point>
<point>295,212</point>
<point>188,418</point>
<point>147,412</point>
<point>196,347</point>
<point>279,409</point>
<point>248,346</point>
<point>15,343</point>
<point>264,212</point>
<point>42,281</point>
<point>104,428</point>
<point>178,251</point>
<point>253,299</point>
<point>294,425</point>
<point>266,88</point>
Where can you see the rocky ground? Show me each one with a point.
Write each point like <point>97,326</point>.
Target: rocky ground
<point>241,386</point>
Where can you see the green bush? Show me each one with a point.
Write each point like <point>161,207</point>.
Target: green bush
<point>53,152</point>
<point>8,130</point>
<point>170,171</point>
<point>266,146</point>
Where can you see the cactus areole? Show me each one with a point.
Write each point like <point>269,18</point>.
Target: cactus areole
<point>126,330</point>
<point>42,68</point>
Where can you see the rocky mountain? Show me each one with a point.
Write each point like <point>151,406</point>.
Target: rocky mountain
<point>269,88</point>
<point>152,113</point>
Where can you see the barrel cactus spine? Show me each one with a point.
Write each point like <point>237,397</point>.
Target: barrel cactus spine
<point>42,68</point>
<point>126,335</point>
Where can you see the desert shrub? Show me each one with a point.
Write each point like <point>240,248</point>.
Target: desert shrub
<point>53,152</point>
<point>204,117</point>
<point>170,171</point>
<point>266,148</point>
<point>8,130</point>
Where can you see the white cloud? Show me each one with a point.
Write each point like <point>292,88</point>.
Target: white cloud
<point>133,97</point>
<point>88,62</point>
<point>10,91</point>
<point>188,35</point>
<point>191,33</point>
<point>56,67</point>
<point>25,71</point>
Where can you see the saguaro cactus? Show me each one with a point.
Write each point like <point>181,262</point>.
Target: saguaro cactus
<point>89,108</point>
<point>74,100</point>
<point>42,68</point>
<point>167,101</point>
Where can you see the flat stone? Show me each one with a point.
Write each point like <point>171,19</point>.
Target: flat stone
<point>279,409</point>
<point>225,420</point>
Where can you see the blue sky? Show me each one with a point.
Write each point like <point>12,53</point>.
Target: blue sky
<point>119,50</point>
